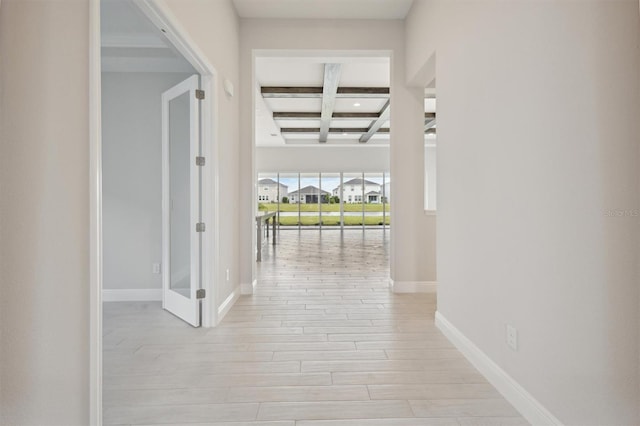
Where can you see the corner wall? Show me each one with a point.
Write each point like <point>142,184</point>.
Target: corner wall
<point>44,212</point>
<point>538,171</point>
<point>410,237</point>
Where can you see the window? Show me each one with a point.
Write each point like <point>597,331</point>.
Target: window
<point>315,191</point>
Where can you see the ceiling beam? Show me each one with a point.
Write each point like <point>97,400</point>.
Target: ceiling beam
<point>316,92</point>
<point>376,125</point>
<point>316,115</point>
<point>311,130</point>
<point>329,91</point>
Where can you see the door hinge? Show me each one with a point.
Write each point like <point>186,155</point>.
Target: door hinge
<point>199,94</point>
<point>201,293</point>
<point>200,161</point>
<point>200,227</point>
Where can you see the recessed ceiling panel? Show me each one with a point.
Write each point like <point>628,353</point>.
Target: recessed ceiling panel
<point>294,104</point>
<point>359,105</point>
<point>350,123</point>
<point>298,123</point>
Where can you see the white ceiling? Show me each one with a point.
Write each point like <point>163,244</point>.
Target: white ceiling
<point>309,72</point>
<point>323,9</point>
<point>132,43</point>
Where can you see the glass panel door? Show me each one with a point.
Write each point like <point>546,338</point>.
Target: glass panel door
<point>180,194</point>
<point>181,201</point>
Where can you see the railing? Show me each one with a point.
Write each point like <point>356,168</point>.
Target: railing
<point>262,230</point>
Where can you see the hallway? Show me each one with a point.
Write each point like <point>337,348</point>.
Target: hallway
<point>321,342</point>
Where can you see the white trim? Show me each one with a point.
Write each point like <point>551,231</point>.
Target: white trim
<point>95,217</point>
<point>428,212</point>
<point>226,306</point>
<point>132,295</point>
<point>523,401</point>
<point>413,286</point>
<point>248,288</point>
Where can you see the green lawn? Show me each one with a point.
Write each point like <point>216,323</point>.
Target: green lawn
<point>332,221</point>
<point>348,207</point>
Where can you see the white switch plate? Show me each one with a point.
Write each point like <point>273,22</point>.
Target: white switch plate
<point>512,337</point>
<point>155,268</point>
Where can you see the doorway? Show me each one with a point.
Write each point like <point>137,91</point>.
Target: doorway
<point>151,187</point>
<point>322,133</point>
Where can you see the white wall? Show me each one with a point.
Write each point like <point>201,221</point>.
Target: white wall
<point>323,159</point>
<point>214,27</point>
<point>430,177</point>
<point>132,177</point>
<point>524,235</point>
<point>411,239</point>
<point>44,212</point>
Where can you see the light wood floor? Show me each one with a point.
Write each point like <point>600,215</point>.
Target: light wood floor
<point>322,342</point>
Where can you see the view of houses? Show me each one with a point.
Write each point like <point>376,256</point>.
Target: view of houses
<point>268,191</point>
<point>356,190</point>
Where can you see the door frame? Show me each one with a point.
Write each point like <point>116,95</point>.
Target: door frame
<point>164,19</point>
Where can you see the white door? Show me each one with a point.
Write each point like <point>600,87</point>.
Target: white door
<point>181,206</point>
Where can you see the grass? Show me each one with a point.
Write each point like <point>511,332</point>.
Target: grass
<point>332,221</point>
<point>348,207</point>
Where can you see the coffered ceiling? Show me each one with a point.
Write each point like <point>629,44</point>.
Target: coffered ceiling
<point>316,100</point>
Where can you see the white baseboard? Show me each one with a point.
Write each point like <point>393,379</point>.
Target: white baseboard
<point>513,392</point>
<point>225,306</point>
<point>248,288</point>
<point>413,286</point>
<point>132,295</point>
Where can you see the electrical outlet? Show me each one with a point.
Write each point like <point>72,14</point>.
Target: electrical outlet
<point>512,337</point>
<point>227,275</point>
<point>155,268</point>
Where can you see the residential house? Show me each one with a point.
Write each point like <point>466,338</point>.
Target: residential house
<point>271,191</point>
<point>308,195</point>
<point>358,190</point>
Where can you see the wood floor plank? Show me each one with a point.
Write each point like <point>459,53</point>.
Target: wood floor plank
<point>328,355</point>
<point>298,393</point>
<point>382,422</point>
<point>180,413</point>
<point>496,407</point>
<point>334,410</point>
<point>322,342</point>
